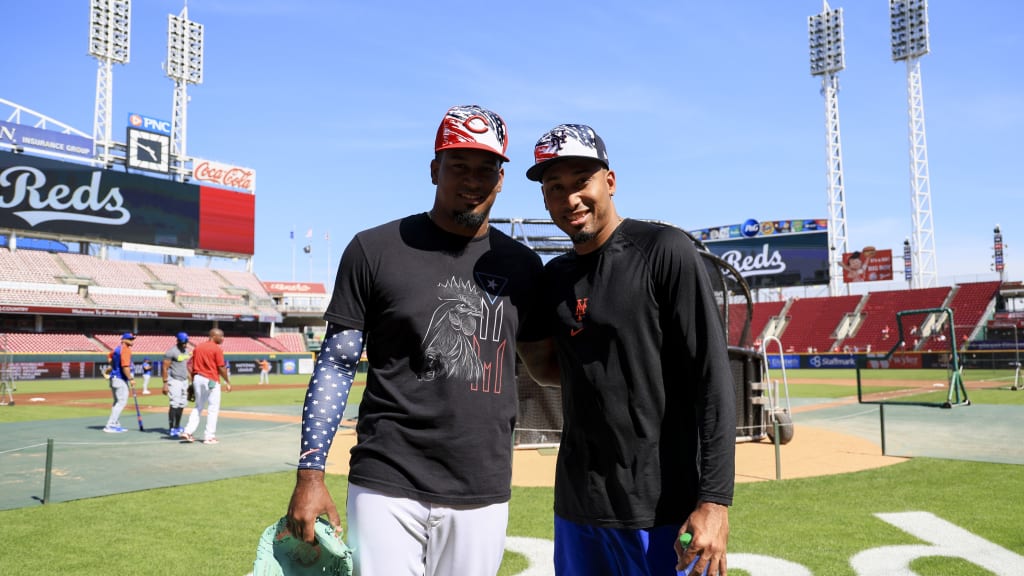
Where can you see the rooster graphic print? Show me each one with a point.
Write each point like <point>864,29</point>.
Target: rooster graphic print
<point>464,326</point>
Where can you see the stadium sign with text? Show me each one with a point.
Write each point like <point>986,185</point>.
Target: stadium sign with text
<point>773,253</point>
<point>224,174</point>
<point>867,265</point>
<point>45,141</point>
<point>53,198</point>
<point>149,124</point>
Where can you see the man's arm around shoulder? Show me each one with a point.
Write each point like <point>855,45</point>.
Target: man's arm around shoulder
<point>541,361</point>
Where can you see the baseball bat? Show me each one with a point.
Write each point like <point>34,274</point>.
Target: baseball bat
<point>138,413</point>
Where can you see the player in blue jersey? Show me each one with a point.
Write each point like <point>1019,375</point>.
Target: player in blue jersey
<point>121,380</point>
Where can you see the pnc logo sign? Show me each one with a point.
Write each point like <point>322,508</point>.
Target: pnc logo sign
<point>149,124</point>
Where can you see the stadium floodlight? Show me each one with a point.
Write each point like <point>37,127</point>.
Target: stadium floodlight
<point>109,29</point>
<point>826,41</point>
<point>184,66</point>
<point>909,28</point>
<point>109,42</point>
<point>827,59</point>
<point>184,49</point>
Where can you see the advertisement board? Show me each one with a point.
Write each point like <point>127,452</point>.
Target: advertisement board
<point>867,265</point>
<point>778,260</point>
<point>41,195</point>
<point>210,172</point>
<point>46,141</point>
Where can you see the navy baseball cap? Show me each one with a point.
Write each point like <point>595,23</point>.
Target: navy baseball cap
<point>566,141</point>
<point>474,128</point>
<point>182,337</point>
<point>127,336</point>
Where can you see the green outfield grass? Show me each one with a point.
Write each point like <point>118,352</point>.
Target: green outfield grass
<point>213,527</point>
<point>818,522</point>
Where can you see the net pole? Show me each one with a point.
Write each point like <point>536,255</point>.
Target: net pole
<point>49,470</point>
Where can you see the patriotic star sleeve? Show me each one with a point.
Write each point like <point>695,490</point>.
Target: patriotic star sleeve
<point>327,394</point>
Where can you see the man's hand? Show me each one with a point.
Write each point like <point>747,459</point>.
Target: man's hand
<point>165,389</point>
<point>541,361</point>
<point>709,524</point>
<point>310,499</point>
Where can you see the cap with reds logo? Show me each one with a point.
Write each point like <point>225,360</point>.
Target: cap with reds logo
<point>474,128</point>
<point>566,141</point>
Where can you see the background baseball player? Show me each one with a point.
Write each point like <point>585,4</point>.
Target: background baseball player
<point>176,382</point>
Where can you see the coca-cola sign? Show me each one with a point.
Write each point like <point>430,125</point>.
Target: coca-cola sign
<point>224,174</point>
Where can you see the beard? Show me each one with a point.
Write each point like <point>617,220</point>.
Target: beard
<point>582,237</point>
<point>470,220</point>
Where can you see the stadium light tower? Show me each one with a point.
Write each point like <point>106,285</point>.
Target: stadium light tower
<point>827,59</point>
<point>109,30</point>
<point>184,66</point>
<point>909,27</point>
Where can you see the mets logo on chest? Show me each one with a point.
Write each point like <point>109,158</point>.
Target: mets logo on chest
<point>580,313</point>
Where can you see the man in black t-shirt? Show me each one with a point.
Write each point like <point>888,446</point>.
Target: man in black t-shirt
<point>443,301</point>
<point>648,440</point>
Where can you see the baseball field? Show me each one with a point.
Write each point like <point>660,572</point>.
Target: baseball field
<point>944,498</point>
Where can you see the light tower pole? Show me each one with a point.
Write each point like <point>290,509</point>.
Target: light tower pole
<point>826,43</point>
<point>909,27</point>
<point>109,30</point>
<point>184,66</point>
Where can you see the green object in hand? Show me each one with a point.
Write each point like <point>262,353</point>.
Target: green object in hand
<point>685,538</point>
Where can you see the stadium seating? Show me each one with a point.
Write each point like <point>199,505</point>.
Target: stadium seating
<point>154,301</point>
<point>191,280</point>
<point>30,266</point>
<point>812,322</point>
<point>55,295</point>
<point>41,343</point>
<point>111,273</point>
<point>970,302</point>
<point>880,311</point>
<point>246,280</point>
<point>292,341</point>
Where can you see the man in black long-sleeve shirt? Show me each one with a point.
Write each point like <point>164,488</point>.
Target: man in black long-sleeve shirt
<point>648,442</point>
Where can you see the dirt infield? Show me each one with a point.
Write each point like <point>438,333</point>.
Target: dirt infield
<point>814,451</point>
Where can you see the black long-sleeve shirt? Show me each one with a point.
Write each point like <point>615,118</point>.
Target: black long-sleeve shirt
<point>648,396</point>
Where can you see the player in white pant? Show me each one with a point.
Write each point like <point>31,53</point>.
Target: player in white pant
<point>208,367</point>
<point>438,540</point>
<point>208,398</point>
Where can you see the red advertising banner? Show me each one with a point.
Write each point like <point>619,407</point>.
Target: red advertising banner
<point>226,220</point>
<point>867,265</point>
<point>295,288</point>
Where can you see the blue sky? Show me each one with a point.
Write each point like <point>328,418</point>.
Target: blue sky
<point>708,109</point>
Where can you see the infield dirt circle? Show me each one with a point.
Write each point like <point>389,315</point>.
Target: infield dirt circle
<point>813,451</point>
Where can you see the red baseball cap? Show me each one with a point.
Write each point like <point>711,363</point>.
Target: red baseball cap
<point>474,128</point>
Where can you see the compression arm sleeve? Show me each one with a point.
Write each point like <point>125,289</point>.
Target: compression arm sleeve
<point>327,394</point>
